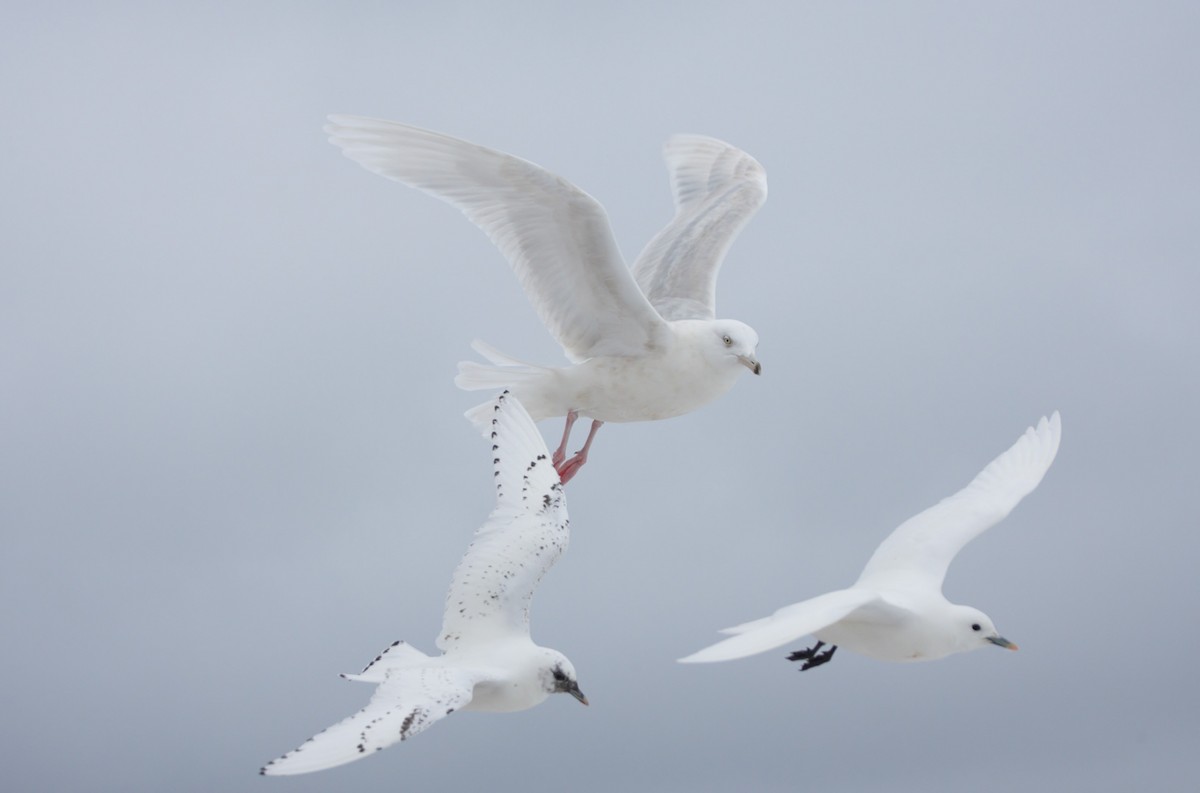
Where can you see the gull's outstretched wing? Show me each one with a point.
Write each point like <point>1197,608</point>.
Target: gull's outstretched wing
<point>717,189</point>
<point>920,550</point>
<point>523,537</point>
<point>407,702</point>
<point>785,625</point>
<point>556,236</point>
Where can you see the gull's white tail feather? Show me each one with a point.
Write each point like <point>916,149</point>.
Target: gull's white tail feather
<point>745,626</point>
<point>505,372</point>
<point>785,625</point>
<point>499,358</point>
<point>396,655</point>
<point>767,634</point>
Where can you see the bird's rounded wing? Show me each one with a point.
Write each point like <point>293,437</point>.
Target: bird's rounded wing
<point>556,237</point>
<point>524,536</point>
<point>717,189</point>
<point>920,550</point>
<point>407,702</point>
<point>785,625</point>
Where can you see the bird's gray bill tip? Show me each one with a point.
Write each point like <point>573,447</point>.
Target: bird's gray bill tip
<point>750,363</point>
<point>1000,641</point>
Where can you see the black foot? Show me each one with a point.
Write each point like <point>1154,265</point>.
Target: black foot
<point>811,657</point>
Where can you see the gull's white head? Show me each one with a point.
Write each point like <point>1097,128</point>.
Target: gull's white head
<point>557,676</point>
<point>732,343</point>
<point>973,629</point>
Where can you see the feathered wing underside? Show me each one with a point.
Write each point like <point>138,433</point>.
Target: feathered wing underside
<point>921,549</point>
<point>524,536</point>
<point>785,625</point>
<point>717,188</point>
<point>556,237</point>
<point>408,702</point>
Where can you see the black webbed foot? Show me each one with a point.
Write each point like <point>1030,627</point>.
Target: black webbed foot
<point>811,657</point>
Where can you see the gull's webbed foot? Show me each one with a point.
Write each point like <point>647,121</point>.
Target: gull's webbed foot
<point>811,657</point>
<point>560,453</point>
<point>568,469</point>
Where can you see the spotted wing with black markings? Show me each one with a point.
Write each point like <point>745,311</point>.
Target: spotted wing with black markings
<point>407,702</point>
<point>524,536</point>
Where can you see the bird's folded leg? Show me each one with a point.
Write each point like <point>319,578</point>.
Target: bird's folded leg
<point>811,657</point>
<point>560,453</point>
<point>567,470</point>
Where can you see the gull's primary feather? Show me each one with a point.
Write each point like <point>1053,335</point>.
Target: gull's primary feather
<point>717,189</point>
<point>556,237</point>
<point>923,546</point>
<point>406,703</point>
<point>524,536</point>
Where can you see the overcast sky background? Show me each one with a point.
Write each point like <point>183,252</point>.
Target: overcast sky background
<point>233,462</point>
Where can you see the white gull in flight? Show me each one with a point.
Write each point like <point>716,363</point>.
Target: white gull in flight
<point>645,343</point>
<point>489,662</point>
<point>896,610</point>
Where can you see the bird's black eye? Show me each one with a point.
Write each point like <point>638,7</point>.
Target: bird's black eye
<point>728,341</point>
<point>976,627</point>
<point>559,674</point>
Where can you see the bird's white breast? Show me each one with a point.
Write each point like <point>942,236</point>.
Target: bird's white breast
<point>913,626</point>
<point>514,679</point>
<point>649,387</point>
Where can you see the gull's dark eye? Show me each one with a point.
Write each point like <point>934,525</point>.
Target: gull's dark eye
<point>976,627</point>
<point>728,341</point>
<point>559,674</point>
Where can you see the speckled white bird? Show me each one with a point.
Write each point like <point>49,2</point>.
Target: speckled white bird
<point>489,662</point>
<point>645,344</point>
<point>896,610</point>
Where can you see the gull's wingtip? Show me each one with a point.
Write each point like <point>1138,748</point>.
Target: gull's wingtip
<point>1049,431</point>
<point>1051,423</point>
<point>724,650</point>
<point>346,130</point>
<point>352,120</point>
<point>336,123</point>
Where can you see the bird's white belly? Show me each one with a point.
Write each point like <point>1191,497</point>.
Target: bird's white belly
<point>644,388</point>
<point>893,641</point>
<point>507,696</point>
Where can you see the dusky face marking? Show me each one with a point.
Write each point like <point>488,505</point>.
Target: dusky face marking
<point>563,683</point>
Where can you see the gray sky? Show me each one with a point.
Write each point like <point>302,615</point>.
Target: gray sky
<point>233,463</point>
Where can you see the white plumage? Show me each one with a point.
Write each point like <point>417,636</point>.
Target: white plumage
<point>896,610</point>
<point>489,661</point>
<point>645,344</point>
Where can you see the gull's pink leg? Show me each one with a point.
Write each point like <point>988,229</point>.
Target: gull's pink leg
<point>567,470</point>
<point>560,453</point>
